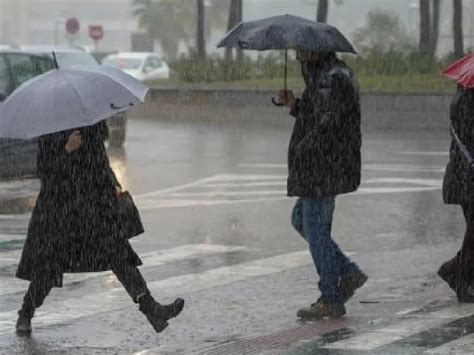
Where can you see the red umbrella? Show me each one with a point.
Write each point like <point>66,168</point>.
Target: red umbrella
<point>462,71</point>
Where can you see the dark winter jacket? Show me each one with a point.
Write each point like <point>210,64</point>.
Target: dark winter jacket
<point>74,226</point>
<point>324,152</point>
<point>462,120</point>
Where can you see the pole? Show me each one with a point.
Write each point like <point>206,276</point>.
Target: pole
<point>55,60</point>
<point>286,70</point>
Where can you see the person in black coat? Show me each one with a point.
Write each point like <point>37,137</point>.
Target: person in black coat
<point>75,225</point>
<point>458,189</point>
<point>324,161</point>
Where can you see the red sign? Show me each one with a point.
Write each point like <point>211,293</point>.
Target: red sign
<point>96,32</point>
<point>72,25</point>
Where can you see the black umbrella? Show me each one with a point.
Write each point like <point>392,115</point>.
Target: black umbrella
<point>286,32</point>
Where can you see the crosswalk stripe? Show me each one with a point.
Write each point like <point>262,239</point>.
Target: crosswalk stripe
<point>461,345</point>
<point>402,329</point>
<point>116,298</point>
<point>10,237</point>
<point>150,259</point>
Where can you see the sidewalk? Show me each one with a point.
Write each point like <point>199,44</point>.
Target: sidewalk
<point>18,196</point>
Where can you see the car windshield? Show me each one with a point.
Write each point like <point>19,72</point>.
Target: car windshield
<point>67,59</point>
<point>123,63</point>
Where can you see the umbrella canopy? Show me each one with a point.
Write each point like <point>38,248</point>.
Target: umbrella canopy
<point>63,99</point>
<point>286,32</point>
<point>462,71</point>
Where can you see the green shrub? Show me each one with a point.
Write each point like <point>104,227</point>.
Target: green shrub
<point>215,69</point>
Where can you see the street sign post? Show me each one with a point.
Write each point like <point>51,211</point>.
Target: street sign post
<point>96,32</point>
<point>72,25</point>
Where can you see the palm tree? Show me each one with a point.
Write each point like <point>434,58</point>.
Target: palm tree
<point>429,26</point>
<point>169,22</point>
<point>323,9</point>
<point>173,21</point>
<point>235,16</point>
<point>200,34</point>
<point>457,29</point>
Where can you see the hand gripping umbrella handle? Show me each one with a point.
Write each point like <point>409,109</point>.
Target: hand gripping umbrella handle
<point>115,107</point>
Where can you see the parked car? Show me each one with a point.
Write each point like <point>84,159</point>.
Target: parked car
<point>18,157</point>
<point>143,66</point>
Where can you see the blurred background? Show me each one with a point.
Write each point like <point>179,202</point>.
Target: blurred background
<point>395,39</point>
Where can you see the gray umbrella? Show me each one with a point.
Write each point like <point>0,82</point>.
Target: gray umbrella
<point>286,32</point>
<point>69,98</point>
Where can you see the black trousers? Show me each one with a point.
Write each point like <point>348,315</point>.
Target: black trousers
<point>461,267</point>
<point>128,275</point>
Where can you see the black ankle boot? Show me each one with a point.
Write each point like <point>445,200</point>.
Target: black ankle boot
<point>157,314</point>
<point>23,324</point>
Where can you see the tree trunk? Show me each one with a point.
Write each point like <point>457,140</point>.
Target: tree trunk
<point>323,9</point>
<point>434,27</point>
<point>235,17</point>
<point>425,36</point>
<point>240,5</point>
<point>200,36</point>
<point>458,35</point>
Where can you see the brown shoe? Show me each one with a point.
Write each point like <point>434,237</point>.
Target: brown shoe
<point>322,309</point>
<point>349,283</point>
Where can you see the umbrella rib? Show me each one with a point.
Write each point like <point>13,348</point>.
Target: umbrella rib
<point>78,95</point>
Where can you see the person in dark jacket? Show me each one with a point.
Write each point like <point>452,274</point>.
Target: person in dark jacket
<point>324,161</point>
<point>458,189</point>
<point>75,225</point>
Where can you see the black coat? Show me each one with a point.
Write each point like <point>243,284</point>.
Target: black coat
<point>462,119</point>
<point>324,152</point>
<point>74,226</point>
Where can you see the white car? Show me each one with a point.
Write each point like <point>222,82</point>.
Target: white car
<point>142,66</point>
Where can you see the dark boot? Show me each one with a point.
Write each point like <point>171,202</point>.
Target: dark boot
<point>157,314</point>
<point>349,283</point>
<point>446,273</point>
<point>23,324</point>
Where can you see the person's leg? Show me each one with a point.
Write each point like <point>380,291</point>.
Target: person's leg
<point>38,290</point>
<point>317,222</point>
<point>449,270</point>
<point>297,219</point>
<point>134,283</point>
<point>465,258</point>
<point>347,266</point>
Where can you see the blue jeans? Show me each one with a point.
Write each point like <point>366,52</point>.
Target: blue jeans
<point>312,218</point>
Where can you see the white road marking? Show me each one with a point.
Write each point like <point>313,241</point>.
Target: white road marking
<point>264,166</point>
<point>462,345</point>
<point>116,298</point>
<point>403,167</point>
<point>228,193</point>
<point>153,205</point>
<point>151,259</point>
<point>16,217</point>
<point>401,329</point>
<point>425,153</point>
<point>240,188</point>
<point>376,167</point>
<point>11,237</point>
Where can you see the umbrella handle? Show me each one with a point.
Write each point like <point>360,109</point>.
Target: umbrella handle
<point>276,103</point>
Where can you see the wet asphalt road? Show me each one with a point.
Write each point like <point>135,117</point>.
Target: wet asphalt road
<point>218,234</point>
